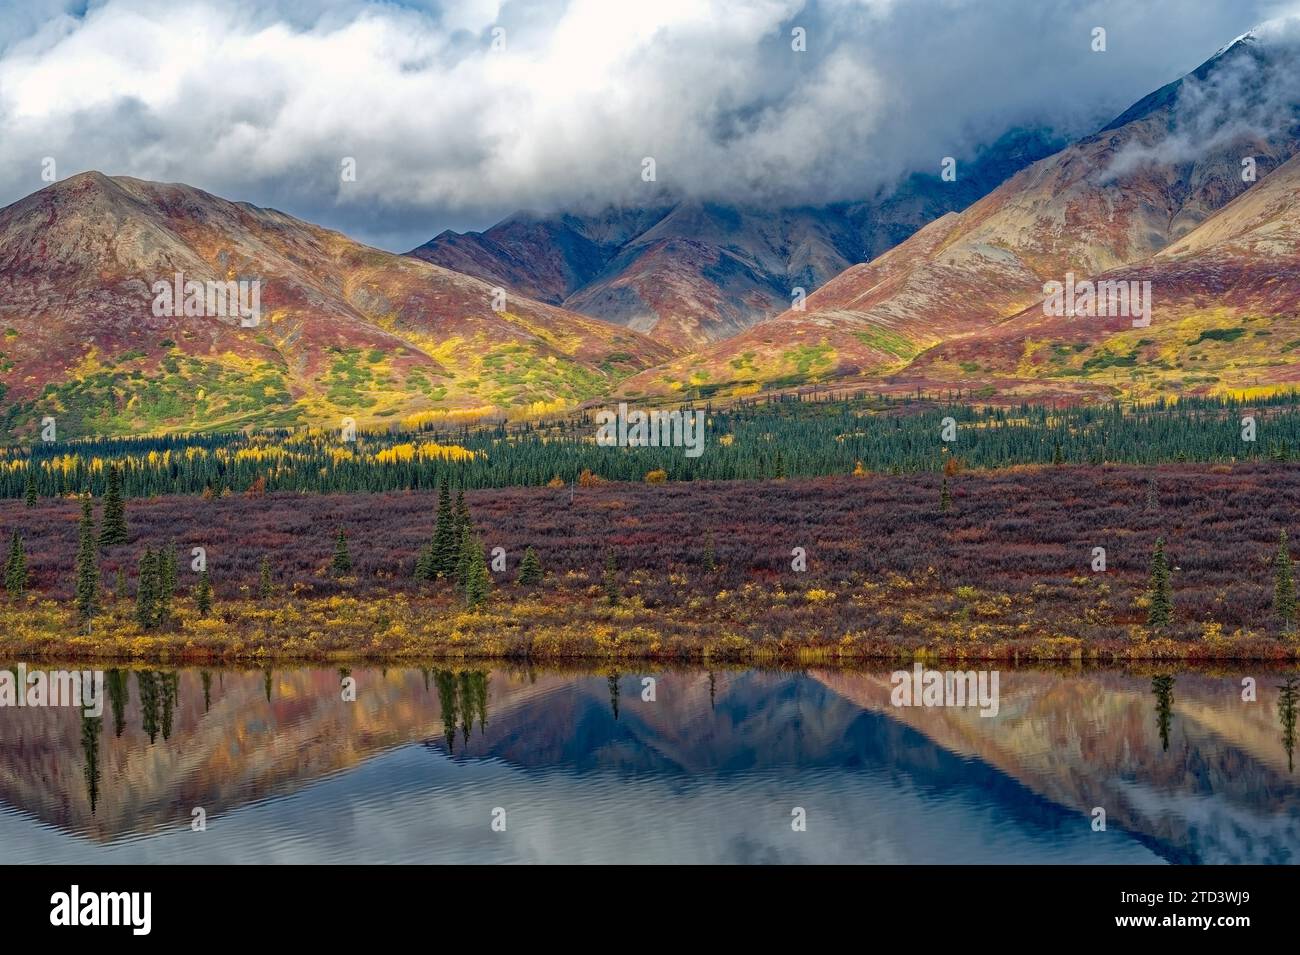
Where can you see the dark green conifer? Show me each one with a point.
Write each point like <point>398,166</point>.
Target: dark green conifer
<point>1284,585</point>
<point>1160,612</point>
<point>342,562</point>
<point>530,569</point>
<point>16,568</point>
<point>478,581</point>
<point>446,539</point>
<point>86,588</point>
<point>113,529</point>
<point>203,593</point>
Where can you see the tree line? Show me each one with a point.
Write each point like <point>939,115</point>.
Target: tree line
<point>773,439</point>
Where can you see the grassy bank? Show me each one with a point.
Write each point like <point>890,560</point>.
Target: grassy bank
<point>572,625</point>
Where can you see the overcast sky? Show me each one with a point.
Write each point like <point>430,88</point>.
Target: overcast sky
<point>262,101</point>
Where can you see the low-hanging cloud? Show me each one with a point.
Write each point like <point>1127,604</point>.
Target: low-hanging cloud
<point>263,102</point>
<point>1251,94</point>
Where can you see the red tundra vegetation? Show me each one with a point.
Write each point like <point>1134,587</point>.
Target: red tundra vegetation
<point>1012,568</point>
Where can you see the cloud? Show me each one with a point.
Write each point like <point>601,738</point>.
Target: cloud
<point>263,102</point>
<point>1250,96</point>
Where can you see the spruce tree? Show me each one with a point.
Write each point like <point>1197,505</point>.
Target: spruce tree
<point>710,556</point>
<point>342,562</point>
<point>113,530</point>
<point>446,539</point>
<point>87,584</point>
<point>530,569</point>
<point>945,498</point>
<point>424,563</point>
<point>464,556</point>
<point>203,593</point>
<point>1160,612</point>
<point>16,568</point>
<point>264,579</point>
<point>1284,585</point>
<point>478,581</point>
<point>463,520</point>
<point>165,562</point>
<point>29,493</point>
<point>147,591</point>
<point>610,580</point>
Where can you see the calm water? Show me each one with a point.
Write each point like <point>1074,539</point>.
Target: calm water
<point>710,771</point>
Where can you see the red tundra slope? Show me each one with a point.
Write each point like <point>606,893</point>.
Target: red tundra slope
<point>345,330</point>
<point>1225,314</point>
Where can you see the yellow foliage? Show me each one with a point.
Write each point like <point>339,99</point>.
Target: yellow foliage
<point>429,451</point>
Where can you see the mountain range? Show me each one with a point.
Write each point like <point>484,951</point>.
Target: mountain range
<point>690,272</point>
<point>959,304</point>
<point>933,284</point>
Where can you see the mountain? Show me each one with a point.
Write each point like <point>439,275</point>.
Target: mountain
<point>1225,314</point>
<point>1141,185</point>
<point>691,272</point>
<point>345,330</point>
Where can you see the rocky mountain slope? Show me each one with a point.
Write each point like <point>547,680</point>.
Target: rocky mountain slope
<point>690,272</point>
<point>1112,200</point>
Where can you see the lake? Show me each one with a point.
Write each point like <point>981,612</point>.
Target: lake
<point>502,765</point>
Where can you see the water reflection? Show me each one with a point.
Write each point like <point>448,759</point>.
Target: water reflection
<point>1163,687</point>
<point>1286,702</point>
<point>706,771</point>
<point>461,697</point>
<point>90,728</point>
<point>118,695</point>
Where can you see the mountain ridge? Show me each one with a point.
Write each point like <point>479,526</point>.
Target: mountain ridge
<point>1108,201</point>
<point>346,331</point>
<point>695,271</point>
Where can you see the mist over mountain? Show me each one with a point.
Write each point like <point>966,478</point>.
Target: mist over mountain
<point>691,272</point>
<point>931,312</point>
<point>453,124</point>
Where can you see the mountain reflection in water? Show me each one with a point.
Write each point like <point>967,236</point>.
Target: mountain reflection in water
<point>711,770</point>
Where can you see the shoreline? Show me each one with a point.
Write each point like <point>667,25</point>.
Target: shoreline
<point>524,631</point>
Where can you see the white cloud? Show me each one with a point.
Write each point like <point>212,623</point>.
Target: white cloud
<point>262,102</point>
